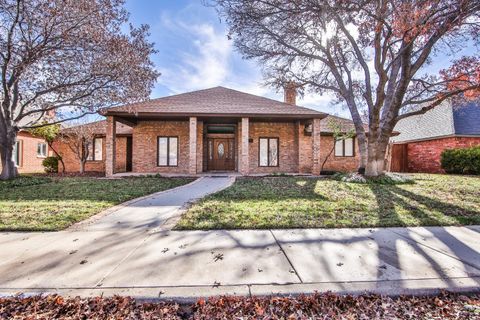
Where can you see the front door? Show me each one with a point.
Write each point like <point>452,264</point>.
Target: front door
<point>221,154</point>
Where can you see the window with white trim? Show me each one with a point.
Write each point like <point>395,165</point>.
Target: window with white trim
<point>41,150</point>
<point>167,151</point>
<point>268,152</point>
<point>16,153</point>
<point>97,149</point>
<point>345,147</point>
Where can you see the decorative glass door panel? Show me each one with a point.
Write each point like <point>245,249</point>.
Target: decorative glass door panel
<point>221,154</point>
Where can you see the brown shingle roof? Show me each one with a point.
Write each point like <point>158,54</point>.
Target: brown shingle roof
<point>345,124</point>
<point>100,128</point>
<point>215,101</point>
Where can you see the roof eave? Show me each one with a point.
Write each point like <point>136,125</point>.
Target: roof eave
<point>138,115</point>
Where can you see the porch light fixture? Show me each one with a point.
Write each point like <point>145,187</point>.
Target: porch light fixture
<point>308,129</point>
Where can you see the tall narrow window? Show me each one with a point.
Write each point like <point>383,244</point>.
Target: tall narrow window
<point>268,152</point>
<point>42,150</point>
<point>345,148</point>
<point>167,151</point>
<point>16,153</point>
<point>98,149</point>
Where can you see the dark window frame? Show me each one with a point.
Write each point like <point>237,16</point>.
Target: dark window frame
<point>268,152</point>
<point>168,151</point>
<point>343,148</point>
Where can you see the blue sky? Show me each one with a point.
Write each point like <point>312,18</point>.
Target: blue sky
<point>194,53</point>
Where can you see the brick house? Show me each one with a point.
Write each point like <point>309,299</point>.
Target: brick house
<point>216,130</point>
<point>29,152</point>
<point>96,158</point>
<point>423,138</point>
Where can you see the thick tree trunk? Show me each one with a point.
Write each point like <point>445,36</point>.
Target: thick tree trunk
<point>362,147</point>
<point>9,170</point>
<point>377,150</point>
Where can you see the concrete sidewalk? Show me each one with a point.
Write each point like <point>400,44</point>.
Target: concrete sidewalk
<point>131,250</point>
<point>186,265</point>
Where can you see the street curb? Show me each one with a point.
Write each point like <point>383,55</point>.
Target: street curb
<point>190,294</point>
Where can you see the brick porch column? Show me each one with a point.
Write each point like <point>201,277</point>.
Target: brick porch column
<point>110,147</point>
<point>192,165</point>
<point>316,146</point>
<point>244,156</point>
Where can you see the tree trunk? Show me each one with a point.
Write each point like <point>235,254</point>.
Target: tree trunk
<point>9,170</point>
<point>376,157</point>
<point>82,166</point>
<point>363,148</point>
<point>50,145</point>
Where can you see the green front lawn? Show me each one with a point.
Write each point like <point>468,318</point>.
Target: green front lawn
<point>297,202</point>
<point>42,203</point>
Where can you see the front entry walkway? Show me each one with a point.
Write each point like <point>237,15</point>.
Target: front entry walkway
<point>156,210</point>
<point>133,252</point>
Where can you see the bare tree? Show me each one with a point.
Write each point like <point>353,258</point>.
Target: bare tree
<point>70,56</point>
<point>79,139</point>
<point>373,55</point>
<point>339,132</point>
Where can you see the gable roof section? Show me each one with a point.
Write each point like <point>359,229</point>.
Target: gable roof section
<point>437,122</point>
<point>344,123</point>
<point>215,101</point>
<point>100,128</point>
<point>466,119</point>
<point>448,119</point>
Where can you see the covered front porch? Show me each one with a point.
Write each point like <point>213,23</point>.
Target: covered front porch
<point>207,145</point>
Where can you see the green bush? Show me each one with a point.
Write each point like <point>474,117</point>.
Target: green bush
<point>50,164</point>
<point>461,161</point>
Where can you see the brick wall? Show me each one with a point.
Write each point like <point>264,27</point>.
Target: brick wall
<point>200,148</point>
<point>145,135</point>
<point>72,164</point>
<point>29,161</point>
<point>337,163</point>
<point>288,148</point>
<point>424,156</point>
<point>305,159</point>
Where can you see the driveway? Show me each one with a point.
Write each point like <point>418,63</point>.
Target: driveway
<point>131,251</point>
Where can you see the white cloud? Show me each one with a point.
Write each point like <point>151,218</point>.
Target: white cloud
<point>205,64</point>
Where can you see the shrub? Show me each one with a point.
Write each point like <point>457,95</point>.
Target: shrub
<point>461,161</point>
<point>50,164</point>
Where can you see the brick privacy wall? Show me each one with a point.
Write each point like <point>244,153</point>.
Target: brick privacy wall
<point>288,155</point>
<point>145,135</point>
<point>200,154</point>
<point>72,164</point>
<point>305,151</point>
<point>337,163</point>
<point>29,161</point>
<point>424,156</point>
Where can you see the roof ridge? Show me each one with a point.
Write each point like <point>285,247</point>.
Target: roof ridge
<point>270,99</point>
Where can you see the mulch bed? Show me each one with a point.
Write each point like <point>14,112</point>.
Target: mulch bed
<point>316,306</point>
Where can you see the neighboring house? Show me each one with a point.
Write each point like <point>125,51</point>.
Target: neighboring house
<point>96,155</point>
<point>216,130</point>
<point>424,137</point>
<point>29,152</point>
